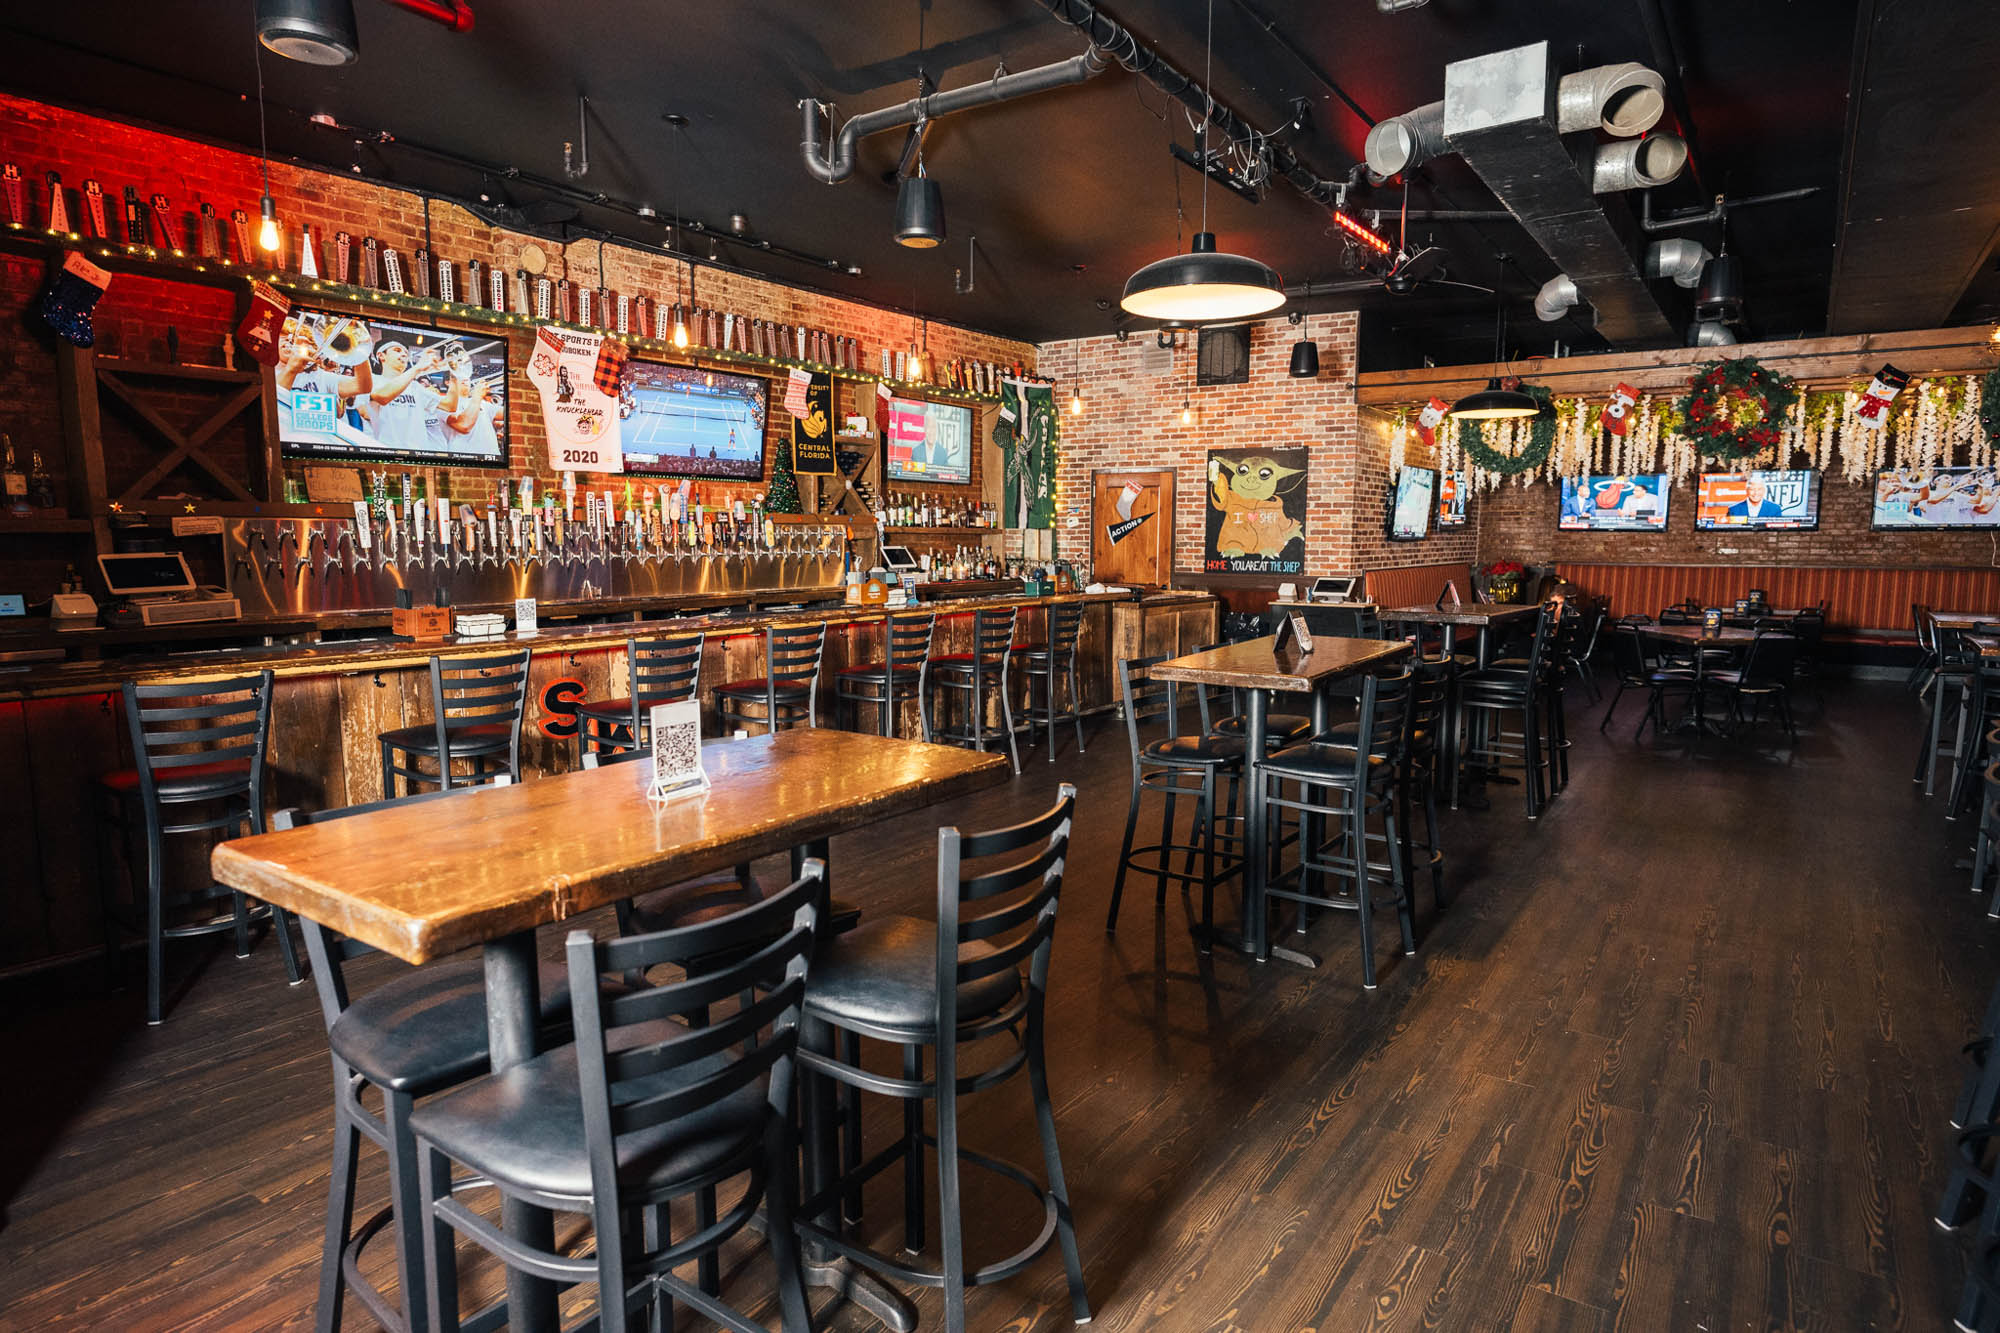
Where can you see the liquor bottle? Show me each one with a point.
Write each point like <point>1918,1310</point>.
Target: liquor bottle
<point>15,480</point>
<point>41,490</point>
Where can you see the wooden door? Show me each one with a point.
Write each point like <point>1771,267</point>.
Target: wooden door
<point>1132,527</point>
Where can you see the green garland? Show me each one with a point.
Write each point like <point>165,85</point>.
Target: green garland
<point>1989,404</point>
<point>1541,438</point>
<point>1736,409</point>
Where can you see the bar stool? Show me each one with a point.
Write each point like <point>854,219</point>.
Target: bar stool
<point>1174,766</point>
<point>659,1098</point>
<point>477,705</point>
<point>903,673</point>
<point>979,973</point>
<point>419,1032</point>
<point>1280,729</point>
<point>662,671</point>
<point>974,675</point>
<point>1360,782</point>
<point>789,689</point>
<point>199,745</point>
<point>1489,698</point>
<point>1954,683</point>
<point>1044,662</point>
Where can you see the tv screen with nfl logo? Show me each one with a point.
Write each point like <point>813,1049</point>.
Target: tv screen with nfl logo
<point>356,388</point>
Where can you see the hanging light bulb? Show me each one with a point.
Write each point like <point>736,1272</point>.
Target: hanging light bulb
<point>268,239</point>
<point>1187,413</point>
<point>680,326</point>
<point>267,231</point>
<point>1075,400</point>
<point>916,366</point>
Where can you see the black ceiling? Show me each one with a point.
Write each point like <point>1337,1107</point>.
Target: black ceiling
<point>1067,191</point>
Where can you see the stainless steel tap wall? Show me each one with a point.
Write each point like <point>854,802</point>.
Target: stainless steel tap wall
<point>298,566</point>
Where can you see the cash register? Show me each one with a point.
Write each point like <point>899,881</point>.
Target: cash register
<point>155,588</point>
<point>1338,588</point>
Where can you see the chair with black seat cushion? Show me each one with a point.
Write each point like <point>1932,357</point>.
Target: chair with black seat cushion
<point>903,673</point>
<point>1638,671</point>
<point>1173,766</point>
<point>973,676</point>
<point>1810,627</point>
<point>1212,700</point>
<point>477,706</point>
<point>1919,678</point>
<point>1511,692</point>
<point>1044,664</point>
<point>980,973</point>
<point>1422,769</point>
<point>1348,786</point>
<point>1584,652</point>
<point>415,1034</point>
<point>198,755</point>
<point>1766,674</point>
<point>668,1091</point>
<point>660,671</point>
<point>787,694</point>
<point>1954,681</point>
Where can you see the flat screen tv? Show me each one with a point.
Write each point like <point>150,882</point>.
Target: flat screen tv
<point>1412,504</point>
<point>356,388</point>
<point>929,442</point>
<point>1451,499</point>
<point>677,421</point>
<point>1751,500</point>
<point>1938,497</point>
<point>1614,504</point>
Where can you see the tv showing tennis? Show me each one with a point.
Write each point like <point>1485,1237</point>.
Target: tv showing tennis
<point>680,421</point>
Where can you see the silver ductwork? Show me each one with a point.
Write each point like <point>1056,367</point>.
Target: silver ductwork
<point>1679,259</point>
<point>1711,333</point>
<point>1401,142</point>
<point>1637,164</point>
<point>1557,298</point>
<point>834,162</point>
<point>1622,100</point>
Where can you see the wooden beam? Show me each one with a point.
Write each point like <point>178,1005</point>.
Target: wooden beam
<point>1817,362</point>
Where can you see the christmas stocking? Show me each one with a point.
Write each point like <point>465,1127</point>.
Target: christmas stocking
<point>71,296</point>
<point>264,323</point>
<point>1429,419</point>
<point>1618,412</point>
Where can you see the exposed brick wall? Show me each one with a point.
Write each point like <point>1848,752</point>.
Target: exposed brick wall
<point>1520,522</point>
<point>137,311</point>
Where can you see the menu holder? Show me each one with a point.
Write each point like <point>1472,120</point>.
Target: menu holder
<point>1292,631</point>
<point>1711,621</point>
<point>677,767</point>
<point>1451,591</point>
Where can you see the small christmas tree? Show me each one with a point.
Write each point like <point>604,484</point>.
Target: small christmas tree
<point>784,497</point>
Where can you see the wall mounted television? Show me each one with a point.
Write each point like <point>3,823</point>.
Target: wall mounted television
<point>1452,492</point>
<point>929,441</point>
<point>677,421</point>
<point>1756,500</point>
<point>1412,504</point>
<point>349,387</point>
<point>1937,497</point>
<point>1614,504</point>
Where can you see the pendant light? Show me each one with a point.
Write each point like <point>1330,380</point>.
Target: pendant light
<point>1494,403</point>
<point>919,202</point>
<point>1205,285</point>
<point>268,238</point>
<point>314,32</point>
<point>1076,383</point>
<point>1305,354</point>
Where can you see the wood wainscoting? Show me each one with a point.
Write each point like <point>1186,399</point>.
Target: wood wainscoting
<point>1417,585</point>
<point>1856,598</point>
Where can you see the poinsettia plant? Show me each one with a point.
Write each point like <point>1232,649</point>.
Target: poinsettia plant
<point>1504,569</point>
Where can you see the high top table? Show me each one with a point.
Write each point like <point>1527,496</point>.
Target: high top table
<point>1254,667</point>
<point>1482,616</point>
<point>488,866</point>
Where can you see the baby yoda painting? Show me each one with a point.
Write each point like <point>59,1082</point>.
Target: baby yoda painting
<point>1256,510</point>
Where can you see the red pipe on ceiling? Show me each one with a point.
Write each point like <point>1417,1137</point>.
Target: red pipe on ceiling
<point>456,16</point>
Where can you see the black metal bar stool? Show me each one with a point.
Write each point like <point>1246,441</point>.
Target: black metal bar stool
<point>788,691</point>
<point>200,745</point>
<point>979,973</point>
<point>1045,662</point>
<point>974,675</point>
<point>1491,697</point>
<point>418,1033</point>
<point>1174,766</point>
<point>903,673</point>
<point>668,1090</point>
<point>661,671</point>
<point>477,705</point>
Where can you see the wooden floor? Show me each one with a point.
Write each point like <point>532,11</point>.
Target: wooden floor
<point>1680,1055</point>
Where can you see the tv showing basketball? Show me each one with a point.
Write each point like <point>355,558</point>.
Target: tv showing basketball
<point>677,421</point>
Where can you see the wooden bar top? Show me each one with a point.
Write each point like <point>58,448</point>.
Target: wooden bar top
<point>1254,665</point>
<point>421,881</point>
<point>1469,613</point>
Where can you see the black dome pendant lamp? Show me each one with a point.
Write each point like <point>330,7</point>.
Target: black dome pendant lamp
<point>1305,353</point>
<point>315,32</point>
<point>1205,285</point>
<point>1495,403</point>
<point>919,210</point>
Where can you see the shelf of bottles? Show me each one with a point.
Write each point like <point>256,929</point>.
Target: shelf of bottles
<point>931,511</point>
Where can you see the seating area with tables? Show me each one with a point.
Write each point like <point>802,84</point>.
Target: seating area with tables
<point>799,767</point>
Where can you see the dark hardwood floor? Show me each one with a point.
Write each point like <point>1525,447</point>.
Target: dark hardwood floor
<point>1679,1056</point>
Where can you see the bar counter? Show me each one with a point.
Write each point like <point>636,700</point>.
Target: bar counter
<point>61,724</point>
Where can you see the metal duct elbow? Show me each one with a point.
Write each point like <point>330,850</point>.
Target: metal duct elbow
<point>1622,100</point>
<point>1398,6</point>
<point>1679,258</point>
<point>1711,333</point>
<point>1405,141</point>
<point>1557,298</point>
<point>1637,164</point>
<point>833,164</point>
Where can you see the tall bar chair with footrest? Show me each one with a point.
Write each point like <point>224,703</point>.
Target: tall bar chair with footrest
<point>980,973</point>
<point>787,694</point>
<point>197,767</point>
<point>1046,662</point>
<point>903,673</point>
<point>477,707</point>
<point>661,671</point>
<point>974,676</point>
<point>1511,690</point>
<point>667,1091</point>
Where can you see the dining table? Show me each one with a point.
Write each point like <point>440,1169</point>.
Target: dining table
<point>1255,666</point>
<point>1724,638</point>
<point>490,866</point>
<point>1965,619</point>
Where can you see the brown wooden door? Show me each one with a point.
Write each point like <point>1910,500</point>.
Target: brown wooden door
<point>1132,527</point>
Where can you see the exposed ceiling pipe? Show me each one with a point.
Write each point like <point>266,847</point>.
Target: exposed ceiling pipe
<point>1678,258</point>
<point>457,17</point>
<point>1636,164</point>
<point>1557,298</point>
<point>1711,333</point>
<point>1667,58</point>
<point>834,162</point>
<point>1398,6</point>
<point>1623,100</point>
<point>1715,212</point>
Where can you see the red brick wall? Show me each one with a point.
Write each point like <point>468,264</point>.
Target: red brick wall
<point>136,310</point>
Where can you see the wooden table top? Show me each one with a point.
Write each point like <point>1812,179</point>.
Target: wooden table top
<point>1468,613</point>
<point>1987,644</point>
<point>1253,665</point>
<point>421,881</point>
<point>1965,619</point>
<point>1696,634</point>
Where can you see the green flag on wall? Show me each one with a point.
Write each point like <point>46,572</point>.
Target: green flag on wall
<point>1026,434</point>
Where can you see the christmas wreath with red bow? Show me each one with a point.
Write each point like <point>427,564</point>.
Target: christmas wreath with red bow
<point>1736,409</point>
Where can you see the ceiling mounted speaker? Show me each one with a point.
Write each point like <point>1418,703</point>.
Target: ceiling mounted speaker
<point>1720,297</point>
<point>919,213</point>
<point>1305,360</point>
<point>314,32</point>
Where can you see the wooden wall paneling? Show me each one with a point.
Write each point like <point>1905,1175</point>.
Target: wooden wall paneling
<point>368,707</point>
<point>307,756</point>
<point>1096,674</point>
<point>1857,599</point>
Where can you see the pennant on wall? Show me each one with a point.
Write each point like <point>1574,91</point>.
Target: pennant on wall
<point>582,418</point>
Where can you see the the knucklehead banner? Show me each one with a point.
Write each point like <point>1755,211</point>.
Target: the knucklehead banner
<point>568,366</point>
<point>1026,434</point>
<point>1256,511</point>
